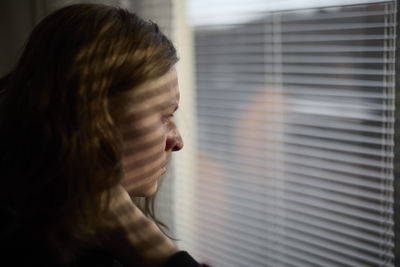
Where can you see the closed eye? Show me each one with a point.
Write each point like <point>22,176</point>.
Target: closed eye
<point>170,116</point>
<point>167,117</point>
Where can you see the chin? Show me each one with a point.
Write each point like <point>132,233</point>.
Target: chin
<point>148,191</point>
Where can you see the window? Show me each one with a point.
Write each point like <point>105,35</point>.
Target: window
<point>295,113</point>
<point>289,156</point>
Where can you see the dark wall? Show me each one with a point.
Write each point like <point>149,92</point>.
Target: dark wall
<point>16,21</point>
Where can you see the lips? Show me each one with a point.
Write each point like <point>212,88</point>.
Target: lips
<point>163,170</point>
<point>164,165</point>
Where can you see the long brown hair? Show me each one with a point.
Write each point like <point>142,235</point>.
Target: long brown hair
<point>59,144</point>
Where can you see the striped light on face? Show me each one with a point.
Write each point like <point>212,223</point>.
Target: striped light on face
<point>149,134</point>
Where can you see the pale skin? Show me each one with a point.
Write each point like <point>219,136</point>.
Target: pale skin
<point>149,136</point>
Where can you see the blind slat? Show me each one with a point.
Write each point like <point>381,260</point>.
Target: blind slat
<point>295,138</point>
<point>365,190</point>
<point>227,214</point>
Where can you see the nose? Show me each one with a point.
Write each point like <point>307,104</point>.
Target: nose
<point>174,141</point>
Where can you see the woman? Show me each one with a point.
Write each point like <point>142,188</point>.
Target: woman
<point>87,117</point>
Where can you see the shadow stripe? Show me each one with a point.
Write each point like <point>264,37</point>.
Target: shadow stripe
<point>146,94</point>
<point>129,182</point>
<point>135,116</point>
<point>141,146</point>
<point>136,163</point>
<point>136,133</point>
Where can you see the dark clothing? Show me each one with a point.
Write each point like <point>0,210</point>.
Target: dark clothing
<point>100,259</point>
<point>182,258</point>
<point>95,258</point>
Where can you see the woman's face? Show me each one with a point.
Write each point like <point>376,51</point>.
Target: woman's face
<point>150,134</point>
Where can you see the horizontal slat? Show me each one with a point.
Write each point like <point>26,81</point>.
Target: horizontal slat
<point>356,138</point>
<point>264,69</point>
<point>213,202</point>
<point>251,59</point>
<point>219,233</point>
<point>337,113</point>
<point>291,229</point>
<point>256,138</point>
<point>224,109</point>
<point>277,138</point>
<point>298,91</point>
<point>288,29</point>
<point>305,173</point>
<point>243,255</point>
<point>312,26</point>
<point>238,256</point>
<point>251,140</point>
<point>279,255</point>
<point>344,125</point>
<point>308,162</point>
<point>334,146</point>
<point>295,17</point>
<point>241,208</point>
<point>349,95</point>
<point>312,193</point>
<point>318,102</point>
<point>293,79</point>
<point>270,166</point>
<point>298,49</point>
<point>263,175</point>
<point>211,237</point>
<point>268,124</point>
<point>293,38</point>
<point>290,207</point>
<point>317,16</point>
<point>318,144</point>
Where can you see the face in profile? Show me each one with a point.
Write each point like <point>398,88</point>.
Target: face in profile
<point>150,134</point>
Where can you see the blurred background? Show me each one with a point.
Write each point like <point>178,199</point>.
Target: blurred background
<point>287,113</point>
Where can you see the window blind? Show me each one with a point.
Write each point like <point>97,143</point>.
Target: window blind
<point>295,140</point>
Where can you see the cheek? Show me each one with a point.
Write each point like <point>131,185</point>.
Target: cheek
<point>144,144</point>
<point>143,157</point>
<point>142,134</point>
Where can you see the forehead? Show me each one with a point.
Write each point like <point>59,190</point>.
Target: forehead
<point>164,87</point>
<point>153,97</point>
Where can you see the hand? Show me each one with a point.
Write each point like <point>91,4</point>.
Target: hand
<point>130,236</point>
